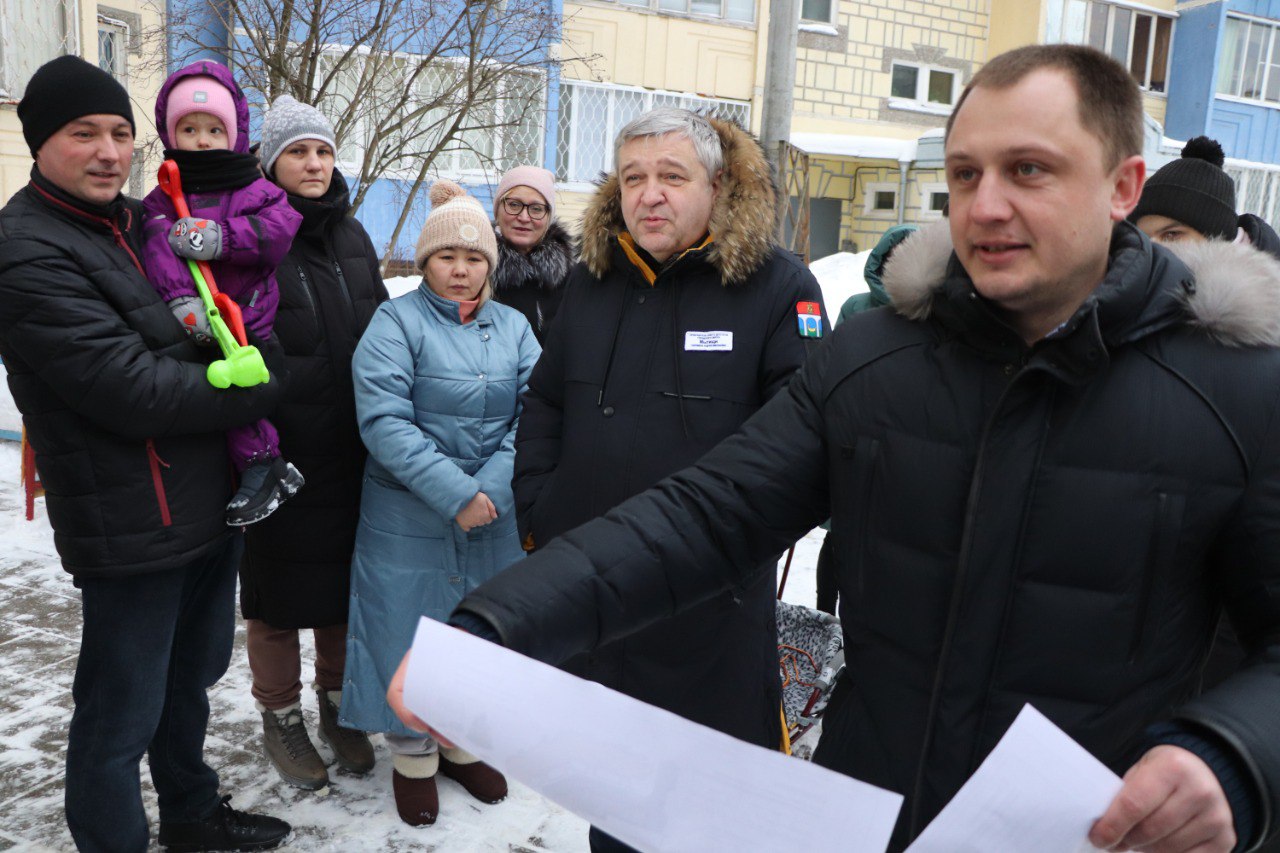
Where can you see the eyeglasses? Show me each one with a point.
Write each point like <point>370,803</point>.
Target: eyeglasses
<point>514,207</point>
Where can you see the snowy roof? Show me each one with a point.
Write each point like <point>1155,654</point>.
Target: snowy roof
<point>846,145</point>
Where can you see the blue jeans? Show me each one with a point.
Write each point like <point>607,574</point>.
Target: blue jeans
<point>152,645</point>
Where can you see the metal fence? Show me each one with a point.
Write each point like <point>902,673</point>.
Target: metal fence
<point>1257,191</point>
<point>591,114</point>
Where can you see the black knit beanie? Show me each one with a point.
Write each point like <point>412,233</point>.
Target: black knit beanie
<point>64,89</point>
<point>1193,190</point>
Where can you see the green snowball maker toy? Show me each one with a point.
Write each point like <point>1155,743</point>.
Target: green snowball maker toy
<point>241,365</point>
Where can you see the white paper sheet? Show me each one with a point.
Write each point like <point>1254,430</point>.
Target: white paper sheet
<point>647,777</point>
<point>1038,790</point>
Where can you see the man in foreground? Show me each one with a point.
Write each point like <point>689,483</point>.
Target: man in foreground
<point>1048,469</point>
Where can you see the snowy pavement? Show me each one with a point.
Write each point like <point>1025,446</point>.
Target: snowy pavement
<point>39,636</point>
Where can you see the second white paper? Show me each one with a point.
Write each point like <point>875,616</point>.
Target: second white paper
<point>647,777</point>
<point>1037,790</point>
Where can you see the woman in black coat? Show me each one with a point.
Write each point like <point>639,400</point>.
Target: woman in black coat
<point>534,252</point>
<point>297,565</point>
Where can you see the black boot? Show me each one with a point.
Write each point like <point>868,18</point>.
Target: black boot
<point>225,829</point>
<point>263,487</point>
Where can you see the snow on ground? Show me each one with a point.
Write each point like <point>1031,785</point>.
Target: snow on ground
<point>401,284</point>
<point>39,636</point>
<point>839,276</point>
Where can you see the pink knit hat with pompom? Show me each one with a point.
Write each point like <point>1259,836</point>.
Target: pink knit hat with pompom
<point>456,221</point>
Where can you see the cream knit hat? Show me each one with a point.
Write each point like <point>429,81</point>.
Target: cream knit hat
<point>456,221</point>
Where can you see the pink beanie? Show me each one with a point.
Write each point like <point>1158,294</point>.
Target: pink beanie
<point>533,177</point>
<point>201,94</point>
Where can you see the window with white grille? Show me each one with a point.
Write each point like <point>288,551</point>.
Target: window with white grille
<point>113,48</point>
<point>31,33</point>
<point>504,128</point>
<point>730,10</point>
<point>591,114</point>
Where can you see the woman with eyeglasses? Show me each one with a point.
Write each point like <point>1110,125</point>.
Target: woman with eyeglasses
<point>534,252</point>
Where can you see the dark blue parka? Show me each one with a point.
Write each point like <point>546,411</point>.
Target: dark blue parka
<point>1058,525</point>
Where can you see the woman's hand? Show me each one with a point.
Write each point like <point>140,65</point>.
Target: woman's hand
<point>479,512</point>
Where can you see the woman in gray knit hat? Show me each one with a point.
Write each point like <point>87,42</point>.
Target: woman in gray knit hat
<point>297,564</point>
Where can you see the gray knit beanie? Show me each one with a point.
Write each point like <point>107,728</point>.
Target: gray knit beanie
<point>288,121</point>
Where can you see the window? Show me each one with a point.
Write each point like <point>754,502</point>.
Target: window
<point>818,11</point>
<point>933,200</point>
<point>1138,40</point>
<point>31,33</point>
<point>1249,65</point>
<point>500,131</point>
<point>880,200</point>
<point>921,86</point>
<point>730,10</point>
<point>591,114</point>
<point>113,51</point>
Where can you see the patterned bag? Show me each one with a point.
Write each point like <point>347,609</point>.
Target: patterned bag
<point>810,656</point>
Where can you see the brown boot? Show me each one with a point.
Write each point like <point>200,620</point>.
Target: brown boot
<point>351,748</point>
<point>481,781</point>
<point>290,751</point>
<point>413,781</point>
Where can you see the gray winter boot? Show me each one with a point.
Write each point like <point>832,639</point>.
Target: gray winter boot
<point>350,747</point>
<point>290,751</point>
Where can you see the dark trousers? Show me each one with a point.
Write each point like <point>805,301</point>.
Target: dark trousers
<point>151,646</point>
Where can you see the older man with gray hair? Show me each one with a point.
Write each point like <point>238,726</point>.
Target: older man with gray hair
<point>682,319</point>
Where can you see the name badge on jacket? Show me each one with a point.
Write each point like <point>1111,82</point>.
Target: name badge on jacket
<point>708,341</point>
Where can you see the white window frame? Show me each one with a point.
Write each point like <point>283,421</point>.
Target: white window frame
<point>570,172</point>
<point>120,29</point>
<point>927,192</point>
<point>830,20</point>
<point>1269,59</point>
<point>656,6</point>
<point>869,193</point>
<point>449,162</point>
<point>1109,33</point>
<point>11,87</point>
<point>921,103</point>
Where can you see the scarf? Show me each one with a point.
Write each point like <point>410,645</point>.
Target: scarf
<point>214,171</point>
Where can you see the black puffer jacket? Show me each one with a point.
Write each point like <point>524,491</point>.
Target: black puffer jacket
<point>297,565</point>
<point>533,284</point>
<point>1057,525</point>
<point>621,398</point>
<point>127,430</point>
<point>1261,235</point>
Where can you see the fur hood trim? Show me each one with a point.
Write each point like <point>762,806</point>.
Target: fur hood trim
<point>742,219</point>
<point>544,268</point>
<point>1235,297</point>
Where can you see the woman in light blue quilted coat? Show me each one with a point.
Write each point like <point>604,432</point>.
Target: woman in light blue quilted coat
<point>438,378</point>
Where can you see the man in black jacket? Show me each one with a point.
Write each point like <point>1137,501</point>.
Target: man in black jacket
<point>680,322</point>
<point>128,439</point>
<point>1048,470</point>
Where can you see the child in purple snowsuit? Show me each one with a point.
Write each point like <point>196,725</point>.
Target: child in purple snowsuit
<point>243,225</point>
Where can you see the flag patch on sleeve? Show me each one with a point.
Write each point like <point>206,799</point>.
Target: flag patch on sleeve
<point>809,316</point>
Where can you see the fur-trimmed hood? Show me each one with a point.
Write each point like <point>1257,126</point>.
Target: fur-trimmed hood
<point>1235,296</point>
<point>543,268</point>
<point>742,219</point>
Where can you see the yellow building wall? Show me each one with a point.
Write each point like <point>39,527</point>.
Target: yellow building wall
<point>609,43</point>
<point>145,74</point>
<point>842,80</point>
<point>637,47</point>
